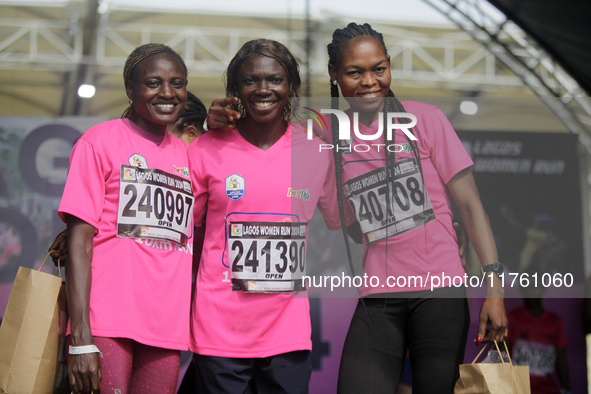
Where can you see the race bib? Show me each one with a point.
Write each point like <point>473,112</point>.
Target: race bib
<point>540,357</point>
<point>154,204</point>
<point>386,209</point>
<point>267,257</point>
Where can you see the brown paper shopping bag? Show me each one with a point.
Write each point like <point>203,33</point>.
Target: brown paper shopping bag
<point>29,334</point>
<point>483,378</point>
<point>62,383</point>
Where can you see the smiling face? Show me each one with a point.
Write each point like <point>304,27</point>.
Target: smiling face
<point>158,92</point>
<point>363,74</point>
<point>263,89</point>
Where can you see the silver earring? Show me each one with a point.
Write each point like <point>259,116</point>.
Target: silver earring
<point>334,82</point>
<point>130,101</point>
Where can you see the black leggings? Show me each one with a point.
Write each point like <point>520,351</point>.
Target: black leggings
<point>434,330</point>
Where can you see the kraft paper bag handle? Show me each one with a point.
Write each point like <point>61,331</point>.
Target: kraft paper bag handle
<point>507,350</point>
<point>59,268</point>
<point>498,350</point>
<point>478,355</point>
<point>512,366</point>
<point>513,374</point>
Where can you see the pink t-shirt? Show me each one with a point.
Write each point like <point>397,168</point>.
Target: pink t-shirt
<point>141,288</point>
<point>423,243</point>
<point>249,193</point>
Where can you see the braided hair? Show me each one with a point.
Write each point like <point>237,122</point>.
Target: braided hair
<point>138,55</point>
<point>274,50</point>
<point>391,104</point>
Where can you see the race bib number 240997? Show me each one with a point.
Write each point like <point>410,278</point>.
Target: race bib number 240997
<point>154,204</point>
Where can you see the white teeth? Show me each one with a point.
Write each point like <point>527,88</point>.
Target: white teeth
<point>165,105</point>
<point>263,105</point>
<point>375,94</point>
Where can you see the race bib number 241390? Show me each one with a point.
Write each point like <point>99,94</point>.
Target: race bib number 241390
<point>267,257</point>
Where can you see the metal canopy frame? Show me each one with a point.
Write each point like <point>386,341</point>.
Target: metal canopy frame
<point>491,53</point>
<point>534,66</point>
<point>431,59</point>
<point>89,46</point>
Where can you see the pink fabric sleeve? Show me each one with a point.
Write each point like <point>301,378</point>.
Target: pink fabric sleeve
<point>447,152</point>
<point>84,192</point>
<point>200,189</point>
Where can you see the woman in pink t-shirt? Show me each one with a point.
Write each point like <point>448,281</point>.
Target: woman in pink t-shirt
<point>399,196</point>
<point>250,331</point>
<point>127,203</point>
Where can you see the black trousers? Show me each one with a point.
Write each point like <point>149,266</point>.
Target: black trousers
<point>287,373</point>
<point>432,326</point>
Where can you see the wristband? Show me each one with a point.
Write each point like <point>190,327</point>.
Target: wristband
<point>77,350</point>
<point>205,127</point>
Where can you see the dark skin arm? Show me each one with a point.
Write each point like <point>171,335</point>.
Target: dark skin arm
<point>465,194</point>
<point>198,238</point>
<point>222,115</point>
<point>84,369</point>
<point>59,248</point>
<point>354,231</point>
<point>463,242</point>
<point>562,369</point>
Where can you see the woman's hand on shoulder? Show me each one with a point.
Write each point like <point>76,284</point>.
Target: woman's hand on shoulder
<point>222,115</point>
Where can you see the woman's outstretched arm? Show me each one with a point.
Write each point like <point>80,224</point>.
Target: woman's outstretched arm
<point>465,194</point>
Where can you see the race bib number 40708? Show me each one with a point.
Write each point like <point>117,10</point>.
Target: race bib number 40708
<point>386,206</point>
<point>154,204</point>
<point>267,257</point>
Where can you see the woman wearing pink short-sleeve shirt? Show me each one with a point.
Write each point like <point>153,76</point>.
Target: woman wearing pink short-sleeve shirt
<point>399,197</point>
<point>261,182</point>
<point>128,207</point>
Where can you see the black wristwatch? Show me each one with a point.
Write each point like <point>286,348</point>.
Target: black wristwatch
<point>497,268</point>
